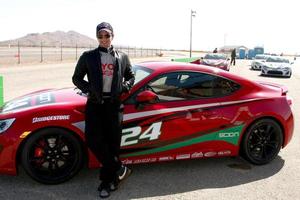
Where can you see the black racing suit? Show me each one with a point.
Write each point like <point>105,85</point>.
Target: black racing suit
<point>103,115</point>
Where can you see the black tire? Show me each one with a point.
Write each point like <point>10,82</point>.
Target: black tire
<point>262,141</point>
<point>52,156</point>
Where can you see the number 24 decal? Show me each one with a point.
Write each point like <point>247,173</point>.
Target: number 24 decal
<point>133,135</point>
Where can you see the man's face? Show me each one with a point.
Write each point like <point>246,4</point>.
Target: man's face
<point>104,39</point>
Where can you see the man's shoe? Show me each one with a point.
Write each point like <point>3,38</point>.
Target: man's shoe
<point>112,186</point>
<point>104,190</point>
<point>123,173</point>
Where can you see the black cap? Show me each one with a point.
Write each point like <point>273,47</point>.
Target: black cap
<point>105,27</point>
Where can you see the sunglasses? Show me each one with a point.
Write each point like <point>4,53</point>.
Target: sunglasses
<point>104,36</point>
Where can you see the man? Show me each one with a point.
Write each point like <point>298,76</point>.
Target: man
<point>233,55</point>
<point>109,74</point>
<point>215,50</point>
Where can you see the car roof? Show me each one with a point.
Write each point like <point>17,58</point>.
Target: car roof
<point>163,67</point>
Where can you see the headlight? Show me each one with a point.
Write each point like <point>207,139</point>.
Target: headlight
<point>264,66</point>
<point>5,124</point>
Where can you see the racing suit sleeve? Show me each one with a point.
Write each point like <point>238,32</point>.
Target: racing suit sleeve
<point>128,75</point>
<point>79,74</point>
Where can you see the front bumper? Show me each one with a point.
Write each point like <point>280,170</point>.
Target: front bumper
<point>7,157</point>
<point>276,72</point>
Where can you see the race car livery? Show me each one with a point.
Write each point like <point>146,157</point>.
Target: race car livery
<point>174,111</point>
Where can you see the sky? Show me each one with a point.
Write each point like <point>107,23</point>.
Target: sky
<point>162,23</point>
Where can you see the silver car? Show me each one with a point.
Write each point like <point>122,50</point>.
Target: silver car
<point>258,61</point>
<point>276,66</point>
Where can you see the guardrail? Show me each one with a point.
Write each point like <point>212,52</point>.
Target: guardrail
<point>39,54</point>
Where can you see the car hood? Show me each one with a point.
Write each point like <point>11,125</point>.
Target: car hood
<point>214,62</point>
<point>277,65</point>
<point>42,98</point>
<point>259,61</point>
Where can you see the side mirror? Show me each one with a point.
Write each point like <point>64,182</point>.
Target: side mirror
<point>146,96</point>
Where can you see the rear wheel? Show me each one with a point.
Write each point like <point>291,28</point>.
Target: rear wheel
<point>262,141</point>
<point>52,156</point>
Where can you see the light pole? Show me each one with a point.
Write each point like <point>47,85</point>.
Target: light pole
<point>193,14</point>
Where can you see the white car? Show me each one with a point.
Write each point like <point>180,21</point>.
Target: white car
<point>276,66</point>
<point>258,61</point>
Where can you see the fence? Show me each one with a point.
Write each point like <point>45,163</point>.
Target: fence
<point>24,54</point>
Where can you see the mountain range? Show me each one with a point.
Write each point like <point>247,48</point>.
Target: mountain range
<point>53,39</point>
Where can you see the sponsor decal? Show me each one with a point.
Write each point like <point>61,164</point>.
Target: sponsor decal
<point>144,160</point>
<point>197,155</point>
<point>51,118</point>
<point>183,156</point>
<point>166,158</point>
<point>210,154</point>
<point>127,161</point>
<point>224,153</point>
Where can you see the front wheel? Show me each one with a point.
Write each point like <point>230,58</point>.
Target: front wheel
<point>52,156</point>
<point>262,141</point>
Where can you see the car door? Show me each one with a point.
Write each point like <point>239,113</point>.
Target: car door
<point>183,121</point>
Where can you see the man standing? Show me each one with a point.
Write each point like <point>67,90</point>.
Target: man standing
<point>233,55</point>
<point>109,74</point>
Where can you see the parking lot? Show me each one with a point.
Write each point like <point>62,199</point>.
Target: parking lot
<point>225,178</point>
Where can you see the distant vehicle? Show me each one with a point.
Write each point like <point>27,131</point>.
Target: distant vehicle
<point>276,66</point>
<point>259,50</point>
<point>216,60</point>
<point>258,61</point>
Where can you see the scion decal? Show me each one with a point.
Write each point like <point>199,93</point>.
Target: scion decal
<point>215,136</point>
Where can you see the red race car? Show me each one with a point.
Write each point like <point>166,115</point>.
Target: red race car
<point>174,111</point>
<point>214,60</point>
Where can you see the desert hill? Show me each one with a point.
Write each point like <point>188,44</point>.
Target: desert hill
<point>67,39</point>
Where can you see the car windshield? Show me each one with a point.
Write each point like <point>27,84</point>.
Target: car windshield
<point>140,73</point>
<point>260,57</point>
<point>215,56</point>
<point>279,60</point>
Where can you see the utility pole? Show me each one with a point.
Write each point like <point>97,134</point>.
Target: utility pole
<point>193,14</point>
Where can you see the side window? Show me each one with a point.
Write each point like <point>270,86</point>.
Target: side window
<point>183,86</point>
<point>166,86</point>
<point>224,87</point>
<point>188,86</point>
